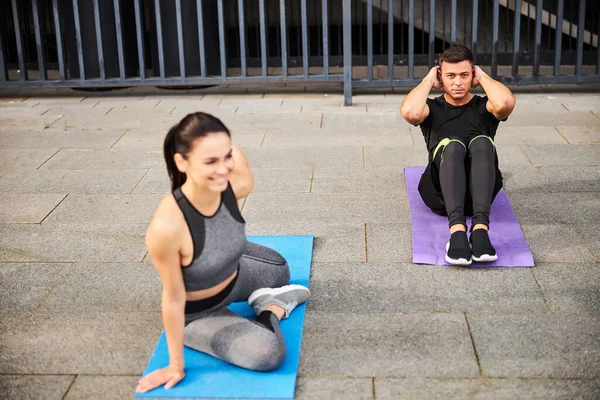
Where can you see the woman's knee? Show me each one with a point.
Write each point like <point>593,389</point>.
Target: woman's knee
<point>257,350</point>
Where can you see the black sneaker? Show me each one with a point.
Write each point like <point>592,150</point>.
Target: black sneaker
<point>458,251</point>
<point>482,248</point>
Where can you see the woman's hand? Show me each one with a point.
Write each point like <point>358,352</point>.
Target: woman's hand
<point>168,376</point>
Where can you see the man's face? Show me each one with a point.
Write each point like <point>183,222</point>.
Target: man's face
<point>457,78</point>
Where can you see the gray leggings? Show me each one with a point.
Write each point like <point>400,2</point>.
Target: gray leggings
<point>220,332</point>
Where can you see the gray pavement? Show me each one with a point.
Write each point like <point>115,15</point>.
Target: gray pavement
<point>82,172</point>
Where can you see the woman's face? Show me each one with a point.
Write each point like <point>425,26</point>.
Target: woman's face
<point>209,162</point>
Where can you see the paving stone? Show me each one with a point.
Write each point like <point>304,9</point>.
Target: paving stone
<point>102,286</point>
<point>552,345</point>
<point>407,287</point>
<point>363,123</point>
<point>129,158</point>
<point>563,155</point>
<point>94,387</point>
<point>511,156</point>
<point>359,180</point>
<point>326,208</point>
<point>18,124</point>
<point>389,242</point>
<point>306,156</point>
<point>334,388</point>
<point>337,242</point>
<point>82,109</point>
<point>47,181</point>
<point>61,243</point>
<point>53,138</point>
<point>566,179</point>
<point>34,387</point>
<point>550,116</point>
<point>556,243</point>
<point>282,179</point>
<point>308,120</point>
<point>155,181</point>
<point>386,344</point>
<point>21,110</point>
<point>119,119</point>
<point>332,137</point>
<point>482,389</point>
<point>398,157</point>
<point>128,102</point>
<point>529,135</point>
<point>25,286</point>
<point>552,208</point>
<point>77,343</point>
<point>27,208</point>
<point>580,134</point>
<point>105,209</point>
<point>591,236</point>
<point>24,159</point>
<point>570,288</point>
<point>430,389</point>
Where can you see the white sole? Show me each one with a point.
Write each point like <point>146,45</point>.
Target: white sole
<point>485,258</point>
<point>260,292</point>
<point>460,261</point>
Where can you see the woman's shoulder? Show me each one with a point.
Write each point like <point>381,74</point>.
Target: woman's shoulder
<point>167,221</point>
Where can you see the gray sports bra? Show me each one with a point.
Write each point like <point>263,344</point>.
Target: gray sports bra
<point>219,241</point>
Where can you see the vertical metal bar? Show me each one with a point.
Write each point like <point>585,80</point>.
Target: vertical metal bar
<point>20,54</point>
<point>38,40</point>
<point>242,23</point>
<point>140,39</point>
<point>263,38</point>
<point>304,39</point>
<point>598,48</point>
<point>59,46</point>
<point>517,39</point>
<point>201,38</point>
<point>99,40</point>
<point>161,52</point>
<point>370,39</point>
<point>284,55</point>
<point>538,38</point>
<point>78,39</point>
<point>495,23</point>
<point>580,33</point>
<point>222,39</point>
<point>391,39</point>
<point>558,37</point>
<point>347,53</point>
<point>326,39</point>
<point>411,39</point>
<point>453,23</point>
<point>423,28</point>
<point>119,28</point>
<point>474,33</point>
<point>179,19</point>
<point>431,32</point>
<point>3,74</point>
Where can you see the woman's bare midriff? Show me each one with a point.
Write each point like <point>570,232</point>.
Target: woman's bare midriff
<point>206,293</point>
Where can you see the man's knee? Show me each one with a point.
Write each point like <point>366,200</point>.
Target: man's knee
<point>481,144</point>
<point>454,150</point>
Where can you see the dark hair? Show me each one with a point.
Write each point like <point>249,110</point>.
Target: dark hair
<point>180,139</point>
<point>455,54</point>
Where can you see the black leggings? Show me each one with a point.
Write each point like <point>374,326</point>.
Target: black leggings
<point>445,188</point>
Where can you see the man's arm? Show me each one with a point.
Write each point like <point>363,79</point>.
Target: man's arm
<point>501,101</point>
<point>414,108</point>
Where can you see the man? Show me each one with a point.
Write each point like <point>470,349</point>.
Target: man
<point>462,177</point>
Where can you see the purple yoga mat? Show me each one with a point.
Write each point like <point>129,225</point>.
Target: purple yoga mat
<point>430,231</point>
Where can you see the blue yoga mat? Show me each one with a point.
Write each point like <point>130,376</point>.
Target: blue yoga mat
<point>208,377</point>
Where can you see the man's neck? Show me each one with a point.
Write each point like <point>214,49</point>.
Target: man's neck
<point>459,102</point>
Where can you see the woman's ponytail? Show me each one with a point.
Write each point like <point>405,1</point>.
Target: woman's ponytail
<point>170,148</point>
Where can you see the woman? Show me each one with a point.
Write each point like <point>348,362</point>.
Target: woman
<point>198,245</point>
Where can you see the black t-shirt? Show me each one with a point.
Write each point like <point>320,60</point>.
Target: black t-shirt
<point>457,122</point>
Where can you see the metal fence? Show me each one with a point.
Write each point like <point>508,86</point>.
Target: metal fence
<point>362,43</point>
